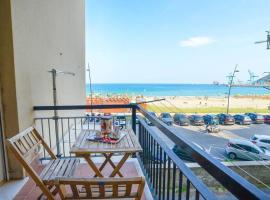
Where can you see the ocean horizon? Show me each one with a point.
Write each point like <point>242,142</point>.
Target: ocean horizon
<point>164,89</point>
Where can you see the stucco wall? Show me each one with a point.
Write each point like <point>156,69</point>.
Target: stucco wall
<point>33,35</point>
<point>8,84</point>
<point>48,34</point>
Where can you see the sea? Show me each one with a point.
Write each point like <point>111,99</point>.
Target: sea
<point>132,89</point>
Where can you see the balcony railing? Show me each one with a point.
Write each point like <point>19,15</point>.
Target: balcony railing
<point>167,175</point>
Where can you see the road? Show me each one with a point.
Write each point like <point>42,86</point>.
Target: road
<point>215,143</point>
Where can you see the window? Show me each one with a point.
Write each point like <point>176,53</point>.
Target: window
<point>253,150</point>
<point>254,138</point>
<point>236,146</point>
<point>265,141</point>
<point>166,115</point>
<point>244,147</point>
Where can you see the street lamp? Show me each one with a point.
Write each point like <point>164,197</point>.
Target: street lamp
<point>230,86</point>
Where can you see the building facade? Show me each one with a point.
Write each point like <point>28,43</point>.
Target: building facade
<point>36,36</point>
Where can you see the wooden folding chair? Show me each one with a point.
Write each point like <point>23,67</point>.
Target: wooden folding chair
<point>100,188</point>
<point>26,147</point>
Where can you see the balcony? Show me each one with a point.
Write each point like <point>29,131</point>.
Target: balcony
<point>167,176</point>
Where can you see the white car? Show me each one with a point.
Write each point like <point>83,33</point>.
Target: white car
<point>262,141</point>
<point>246,150</point>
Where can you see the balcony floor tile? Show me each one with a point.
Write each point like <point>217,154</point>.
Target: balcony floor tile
<point>130,169</point>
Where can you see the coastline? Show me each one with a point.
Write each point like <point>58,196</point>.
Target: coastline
<point>150,90</point>
<point>199,104</point>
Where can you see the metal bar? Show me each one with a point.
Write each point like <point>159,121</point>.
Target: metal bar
<point>75,121</point>
<point>154,164</point>
<point>168,179</point>
<point>204,190</point>
<point>95,120</point>
<point>133,118</point>
<point>82,107</point>
<point>88,121</point>
<point>42,133</point>
<point>180,185</point>
<point>232,181</point>
<point>49,126</point>
<point>156,174</point>
<point>160,172</point>
<point>188,190</point>
<point>173,181</point>
<point>164,176</point>
<point>148,153</point>
<point>63,137</point>
<point>197,195</point>
<point>55,117</point>
<point>69,136</point>
<point>143,144</point>
<point>81,123</point>
<point>151,160</point>
<point>151,101</point>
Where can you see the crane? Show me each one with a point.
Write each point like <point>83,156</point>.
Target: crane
<point>267,40</point>
<point>252,77</point>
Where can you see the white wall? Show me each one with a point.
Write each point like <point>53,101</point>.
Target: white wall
<point>42,30</point>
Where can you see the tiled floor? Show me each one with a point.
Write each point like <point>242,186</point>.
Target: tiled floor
<point>9,189</point>
<point>130,169</point>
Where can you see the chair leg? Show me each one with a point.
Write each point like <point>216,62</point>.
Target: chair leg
<point>63,189</point>
<point>40,197</point>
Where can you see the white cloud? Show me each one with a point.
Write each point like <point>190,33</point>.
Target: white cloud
<point>197,41</point>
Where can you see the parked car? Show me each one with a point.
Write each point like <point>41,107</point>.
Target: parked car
<point>183,154</point>
<point>246,150</point>
<point>166,118</point>
<point>148,121</point>
<point>267,119</point>
<point>225,119</point>
<point>90,117</point>
<point>262,141</point>
<point>98,117</point>
<point>210,119</point>
<point>120,120</point>
<point>256,118</point>
<point>242,119</point>
<point>196,120</point>
<point>181,119</point>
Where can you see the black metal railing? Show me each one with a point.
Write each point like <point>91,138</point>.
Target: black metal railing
<point>167,175</point>
<point>68,129</point>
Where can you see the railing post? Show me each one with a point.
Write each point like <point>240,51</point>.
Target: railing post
<point>58,154</point>
<point>133,117</point>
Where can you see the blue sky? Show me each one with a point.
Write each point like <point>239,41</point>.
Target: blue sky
<point>170,41</point>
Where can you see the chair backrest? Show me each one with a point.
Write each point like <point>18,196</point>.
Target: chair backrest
<point>100,188</point>
<point>25,146</point>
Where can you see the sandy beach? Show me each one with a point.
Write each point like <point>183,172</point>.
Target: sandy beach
<point>193,104</point>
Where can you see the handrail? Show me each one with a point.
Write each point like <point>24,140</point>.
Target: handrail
<point>233,182</point>
<point>197,183</point>
<point>81,107</point>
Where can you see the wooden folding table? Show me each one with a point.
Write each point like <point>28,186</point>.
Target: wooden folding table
<point>85,148</point>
